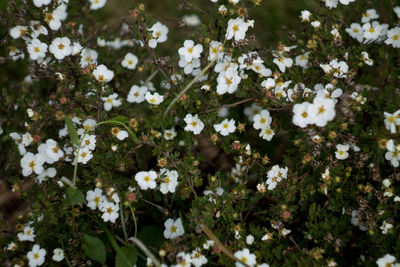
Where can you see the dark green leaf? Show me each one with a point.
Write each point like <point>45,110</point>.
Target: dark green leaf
<point>94,249</point>
<point>121,118</point>
<point>130,254</point>
<point>71,130</point>
<point>74,196</point>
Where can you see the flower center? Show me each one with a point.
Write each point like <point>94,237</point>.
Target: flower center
<point>36,49</point>
<point>32,164</point>
<point>173,229</point>
<point>61,46</point>
<point>147,178</point>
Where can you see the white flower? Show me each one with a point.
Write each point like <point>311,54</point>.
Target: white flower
<point>52,153</point>
<point>76,48</point>
<point>392,120</point>
<point>169,134</point>
<point>331,3</point>
<point>183,260</point>
<point>316,24</point>
<point>36,256</point>
<point>102,74</point>
<point>386,261</point>
<point>339,68</point>
<point>366,59</point>
<point>58,255</point>
<point>146,180</point>
<point>237,29</point>
<point>96,4</point>
<point>252,110</point>
<point>192,20</point>
<point>173,228</point>
<point>301,117</point>
<point>342,151</point>
<point>346,2</point>
<point>262,120</point>
<point>84,155</point>
<point>154,99</point>
<point>130,61</point>
<point>275,175</point>
<point>267,133</point>
<point>393,156</point>
<point>249,239</point>
<point>88,56</point>
<point>283,62</point>
<point>18,31</point>
<point>40,3</point>
<point>197,258</point>
<point>245,256</point>
<point>372,31</point>
<point>189,66</point>
<point>355,31</point>
<point>95,198</point>
<point>321,111</point>
<point>193,124</point>
<point>370,14</point>
<point>36,49</point>
<point>27,235</point>
<point>136,94</point>
<point>32,163</point>
<point>159,34</point>
<point>190,51</point>
<point>228,81</point>
<point>305,15</point>
<point>120,134</point>
<point>302,60</point>
<point>60,47</point>
<point>89,141</point>
<point>385,227</point>
<point>215,50</point>
<point>111,101</point>
<point>169,181</point>
<point>396,10</point>
<point>54,18</point>
<point>393,37</point>
<point>110,211</point>
<point>225,127</point>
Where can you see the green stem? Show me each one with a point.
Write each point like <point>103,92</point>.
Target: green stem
<point>123,222</point>
<point>145,250</point>
<point>134,219</point>
<point>188,86</point>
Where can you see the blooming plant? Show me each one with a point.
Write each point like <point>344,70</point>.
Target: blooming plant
<point>140,141</point>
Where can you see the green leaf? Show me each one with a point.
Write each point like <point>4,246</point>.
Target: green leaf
<point>130,254</point>
<point>94,249</point>
<point>71,130</point>
<point>121,118</point>
<point>75,196</point>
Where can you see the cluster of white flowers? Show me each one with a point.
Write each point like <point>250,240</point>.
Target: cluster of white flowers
<point>334,3</point>
<point>148,180</point>
<point>96,200</point>
<point>190,57</point>
<point>275,175</point>
<point>373,31</point>
<point>320,112</point>
<point>159,34</point>
<point>262,121</point>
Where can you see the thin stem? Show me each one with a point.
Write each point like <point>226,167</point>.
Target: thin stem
<point>123,222</point>
<point>134,219</point>
<point>145,250</point>
<point>188,87</point>
<point>76,159</point>
<point>220,245</point>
